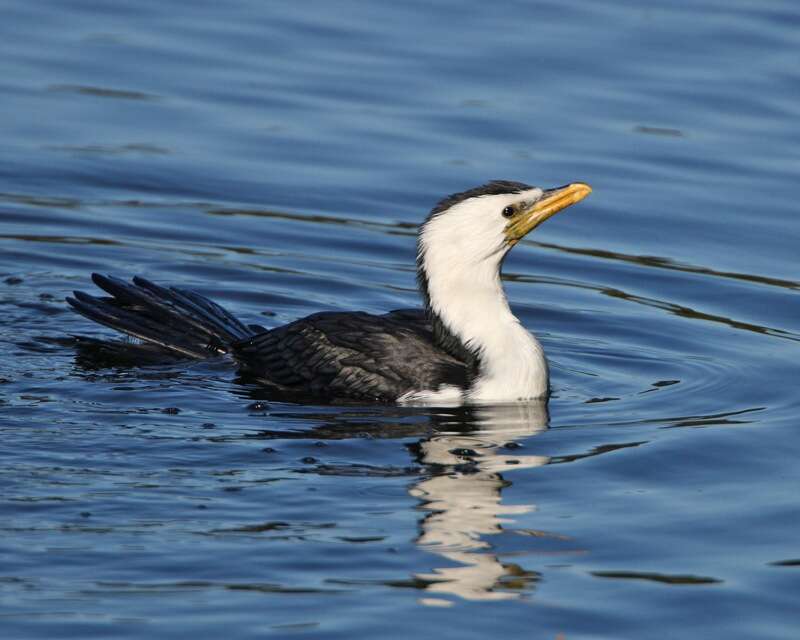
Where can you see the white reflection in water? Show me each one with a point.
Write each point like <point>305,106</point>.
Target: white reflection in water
<point>465,501</point>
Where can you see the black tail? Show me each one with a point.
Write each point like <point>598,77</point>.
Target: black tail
<point>178,320</point>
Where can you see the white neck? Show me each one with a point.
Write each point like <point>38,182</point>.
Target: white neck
<point>469,299</point>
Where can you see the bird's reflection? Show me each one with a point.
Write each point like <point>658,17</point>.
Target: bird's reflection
<point>462,454</point>
<point>463,500</point>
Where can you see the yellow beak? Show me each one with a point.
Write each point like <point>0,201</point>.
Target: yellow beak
<point>553,201</point>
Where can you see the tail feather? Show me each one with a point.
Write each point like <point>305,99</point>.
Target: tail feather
<point>209,314</point>
<point>176,319</point>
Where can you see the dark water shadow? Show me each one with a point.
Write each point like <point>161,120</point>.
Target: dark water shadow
<point>681,311</point>
<point>662,578</point>
<point>657,262</point>
<point>102,92</point>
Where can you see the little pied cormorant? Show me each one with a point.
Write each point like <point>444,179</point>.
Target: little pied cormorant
<point>466,346</point>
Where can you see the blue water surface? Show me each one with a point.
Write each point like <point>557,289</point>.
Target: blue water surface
<point>278,157</point>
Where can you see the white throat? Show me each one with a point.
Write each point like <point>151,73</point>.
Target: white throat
<point>465,291</point>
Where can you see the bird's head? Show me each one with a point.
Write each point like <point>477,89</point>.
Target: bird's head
<point>471,232</point>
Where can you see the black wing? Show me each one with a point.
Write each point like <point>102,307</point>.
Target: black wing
<point>351,355</point>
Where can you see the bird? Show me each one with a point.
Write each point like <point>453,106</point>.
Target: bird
<point>464,346</point>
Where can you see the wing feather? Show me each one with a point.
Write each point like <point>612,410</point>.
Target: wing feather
<point>351,355</point>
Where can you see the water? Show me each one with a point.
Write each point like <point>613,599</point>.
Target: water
<point>277,157</point>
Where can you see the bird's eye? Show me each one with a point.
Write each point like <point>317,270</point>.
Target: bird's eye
<point>508,211</point>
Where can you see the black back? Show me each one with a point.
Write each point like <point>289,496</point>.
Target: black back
<point>353,355</point>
